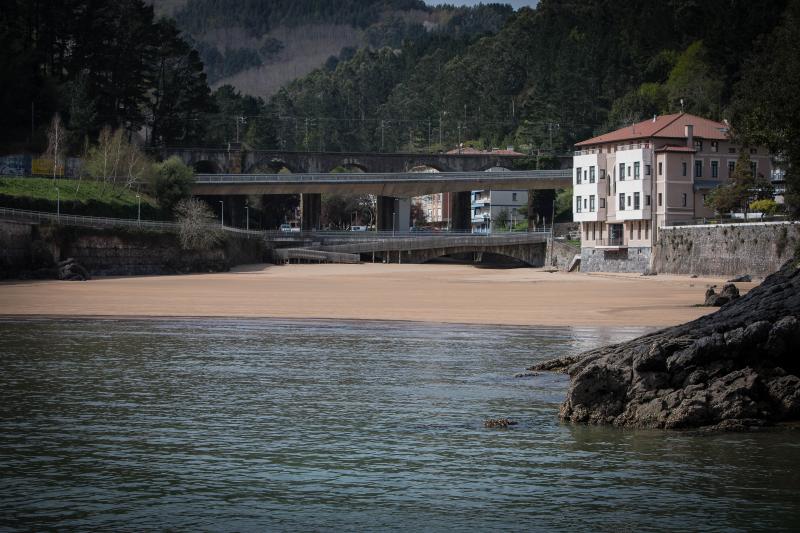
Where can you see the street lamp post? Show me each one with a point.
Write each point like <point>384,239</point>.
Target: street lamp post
<point>247,216</point>
<point>139,209</point>
<point>58,204</point>
<point>222,213</point>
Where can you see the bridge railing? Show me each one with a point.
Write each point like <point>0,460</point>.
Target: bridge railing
<point>381,235</point>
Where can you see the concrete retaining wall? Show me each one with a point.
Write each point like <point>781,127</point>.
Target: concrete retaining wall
<point>727,250</point>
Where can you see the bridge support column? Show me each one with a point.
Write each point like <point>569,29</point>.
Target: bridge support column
<point>310,211</point>
<point>393,213</point>
<point>460,210</point>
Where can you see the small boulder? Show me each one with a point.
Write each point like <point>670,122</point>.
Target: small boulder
<point>729,291</point>
<point>498,423</point>
<point>527,375</point>
<point>741,279</point>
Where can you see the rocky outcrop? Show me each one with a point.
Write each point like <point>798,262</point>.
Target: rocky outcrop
<point>734,369</point>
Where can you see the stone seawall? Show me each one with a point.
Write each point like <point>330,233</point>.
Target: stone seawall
<point>115,252</point>
<point>758,249</point>
<point>626,260</point>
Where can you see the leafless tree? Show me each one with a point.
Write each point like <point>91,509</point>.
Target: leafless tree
<point>198,228</point>
<point>55,143</point>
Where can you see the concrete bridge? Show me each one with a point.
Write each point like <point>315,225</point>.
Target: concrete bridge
<point>236,160</point>
<point>529,248</point>
<point>392,189</point>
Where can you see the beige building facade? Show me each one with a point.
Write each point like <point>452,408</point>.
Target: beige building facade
<point>629,183</point>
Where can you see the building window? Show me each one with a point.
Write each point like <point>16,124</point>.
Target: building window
<point>602,203</point>
<point>731,168</point>
<point>636,201</point>
<point>629,171</point>
<point>753,150</point>
<point>622,201</point>
<point>684,168</point>
<point>585,203</point>
<point>698,144</point>
<point>594,235</point>
<point>602,174</point>
<point>647,200</point>
<point>577,204</point>
<point>753,167</point>
<point>629,201</point>
<point>630,227</point>
<point>513,197</point>
<point>732,150</point>
<point>622,172</point>
<point>646,229</point>
<point>591,203</point>
<point>685,199</point>
<point>647,170</point>
<point>714,146</point>
<point>698,169</point>
<point>639,230</point>
<point>660,199</point>
<point>591,174</point>
<point>715,169</point>
<point>585,172</point>
<point>636,171</point>
<point>660,168</point>
<point>578,176</point>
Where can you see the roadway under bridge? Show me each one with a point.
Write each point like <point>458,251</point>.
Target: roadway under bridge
<point>392,189</point>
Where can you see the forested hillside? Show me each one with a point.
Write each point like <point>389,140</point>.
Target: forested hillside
<point>258,46</point>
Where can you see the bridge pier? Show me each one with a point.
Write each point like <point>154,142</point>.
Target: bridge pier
<point>393,213</point>
<point>310,211</point>
<point>460,211</point>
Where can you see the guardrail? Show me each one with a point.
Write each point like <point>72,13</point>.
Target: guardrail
<point>103,222</point>
<point>364,177</point>
<point>727,220</point>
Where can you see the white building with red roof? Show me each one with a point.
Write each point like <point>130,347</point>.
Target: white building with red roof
<point>630,182</point>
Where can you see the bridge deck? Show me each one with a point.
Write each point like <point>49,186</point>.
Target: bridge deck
<point>387,184</point>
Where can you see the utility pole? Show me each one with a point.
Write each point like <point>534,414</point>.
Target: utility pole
<point>381,135</point>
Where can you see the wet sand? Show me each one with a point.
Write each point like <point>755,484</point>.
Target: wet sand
<point>431,293</point>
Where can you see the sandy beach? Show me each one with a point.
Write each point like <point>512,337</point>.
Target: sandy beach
<point>432,293</point>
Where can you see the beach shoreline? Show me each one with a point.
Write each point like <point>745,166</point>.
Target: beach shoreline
<point>432,293</point>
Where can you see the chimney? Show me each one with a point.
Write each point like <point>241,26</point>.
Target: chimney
<point>689,136</point>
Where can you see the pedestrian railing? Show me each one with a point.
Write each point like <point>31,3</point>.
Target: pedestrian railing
<point>103,222</point>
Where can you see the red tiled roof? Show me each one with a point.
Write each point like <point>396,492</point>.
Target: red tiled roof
<point>471,150</point>
<point>664,126</point>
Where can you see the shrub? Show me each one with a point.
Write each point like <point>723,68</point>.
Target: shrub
<point>171,182</point>
<point>765,207</point>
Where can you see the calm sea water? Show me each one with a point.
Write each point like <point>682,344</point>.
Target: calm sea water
<point>250,425</point>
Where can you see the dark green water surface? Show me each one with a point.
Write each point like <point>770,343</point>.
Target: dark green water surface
<point>251,425</point>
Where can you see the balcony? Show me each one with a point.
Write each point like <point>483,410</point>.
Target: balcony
<point>612,243</point>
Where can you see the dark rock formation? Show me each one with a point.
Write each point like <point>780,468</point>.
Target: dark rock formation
<point>499,423</point>
<point>527,375</point>
<point>728,293</point>
<point>741,279</point>
<point>733,369</point>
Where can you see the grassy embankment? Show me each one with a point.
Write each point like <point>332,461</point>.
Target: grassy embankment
<point>84,197</point>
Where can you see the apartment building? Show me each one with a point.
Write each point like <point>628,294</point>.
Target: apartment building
<point>488,206</point>
<point>632,181</point>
